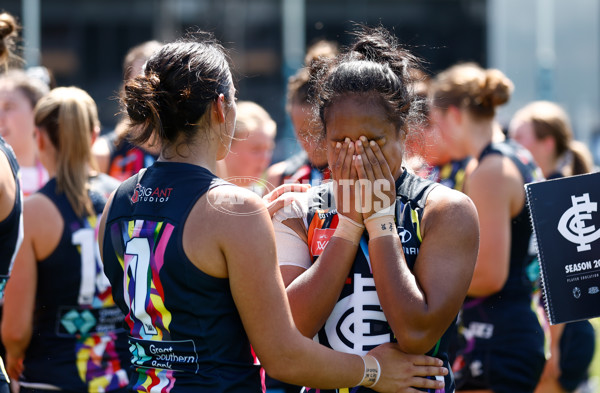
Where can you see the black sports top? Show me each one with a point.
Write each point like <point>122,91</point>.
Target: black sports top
<point>357,323</point>
<point>299,169</point>
<point>78,341</point>
<point>185,332</point>
<point>11,228</point>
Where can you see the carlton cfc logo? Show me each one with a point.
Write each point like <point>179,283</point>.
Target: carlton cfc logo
<point>572,225</point>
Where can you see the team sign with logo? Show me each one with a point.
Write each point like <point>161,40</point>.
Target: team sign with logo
<point>566,225</point>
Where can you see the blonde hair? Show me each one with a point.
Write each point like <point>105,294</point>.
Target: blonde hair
<point>471,87</point>
<point>250,117</point>
<point>550,120</point>
<point>68,115</point>
<point>8,34</point>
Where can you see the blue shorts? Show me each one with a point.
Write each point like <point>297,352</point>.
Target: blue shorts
<point>577,346</point>
<point>502,348</point>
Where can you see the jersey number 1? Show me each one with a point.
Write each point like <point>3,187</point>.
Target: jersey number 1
<point>139,249</point>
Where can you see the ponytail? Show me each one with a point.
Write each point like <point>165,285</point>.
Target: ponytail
<point>580,159</point>
<point>68,115</point>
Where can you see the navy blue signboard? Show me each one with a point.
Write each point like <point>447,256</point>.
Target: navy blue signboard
<point>566,225</point>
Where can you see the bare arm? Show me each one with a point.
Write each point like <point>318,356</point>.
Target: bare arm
<point>38,242</point>
<point>420,304</point>
<point>491,187</point>
<point>102,224</point>
<point>313,293</point>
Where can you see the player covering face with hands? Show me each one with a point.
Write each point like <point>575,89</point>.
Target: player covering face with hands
<point>376,255</point>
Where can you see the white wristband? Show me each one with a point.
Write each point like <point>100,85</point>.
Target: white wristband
<point>372,371</point>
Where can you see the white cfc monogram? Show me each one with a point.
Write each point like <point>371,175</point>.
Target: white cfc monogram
<point>348,328</point>
<point>572,225</point>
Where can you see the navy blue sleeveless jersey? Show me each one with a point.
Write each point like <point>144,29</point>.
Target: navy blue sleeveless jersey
<point>185,332</point>
<point>11,228</point>
<point>78,341</point>
<point>357,323</point>
<point>451,174</point>
<point>299,169</point>
<point>503,342</point>
<point>11,232</point>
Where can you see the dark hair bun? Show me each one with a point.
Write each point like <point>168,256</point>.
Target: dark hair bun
<point>497,89</point>
<point>375,44</point>
<point>140,97</point>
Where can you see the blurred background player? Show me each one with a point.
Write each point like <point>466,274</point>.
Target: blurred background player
<point>251,148</point>
<point>114,153</point>
<point>19,93</point>
<point>428,155</point>
<point>11,197</point>
<point>310,164</point>
<point>544,128</point>
<point>61,328</point>
<point>504,341</point>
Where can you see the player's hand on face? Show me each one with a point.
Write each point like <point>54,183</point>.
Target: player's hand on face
<point>378,190</point>
<point>343,171</point>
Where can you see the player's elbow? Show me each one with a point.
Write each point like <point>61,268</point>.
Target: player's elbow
<point>417,342</point>
<point>282,367</point>
<point>486,285</point>
<point>13,336</point>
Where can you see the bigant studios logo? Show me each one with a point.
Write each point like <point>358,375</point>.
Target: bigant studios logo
<point>360,195</point>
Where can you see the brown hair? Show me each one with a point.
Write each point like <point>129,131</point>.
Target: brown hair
<point>33,88</point>
<point>550,120</point>
<point>471,87</point>
<point>180,82</point>
<point>375,67</point>
<point>68,115</point>
<point>299,84</point>
<point>8,34</point>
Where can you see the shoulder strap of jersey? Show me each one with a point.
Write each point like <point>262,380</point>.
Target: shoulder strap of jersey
<point>517,154</point>
<point>414,188</point>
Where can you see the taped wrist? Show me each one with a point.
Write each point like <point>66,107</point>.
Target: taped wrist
<point>382,223</point>
<point>349,229</point>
